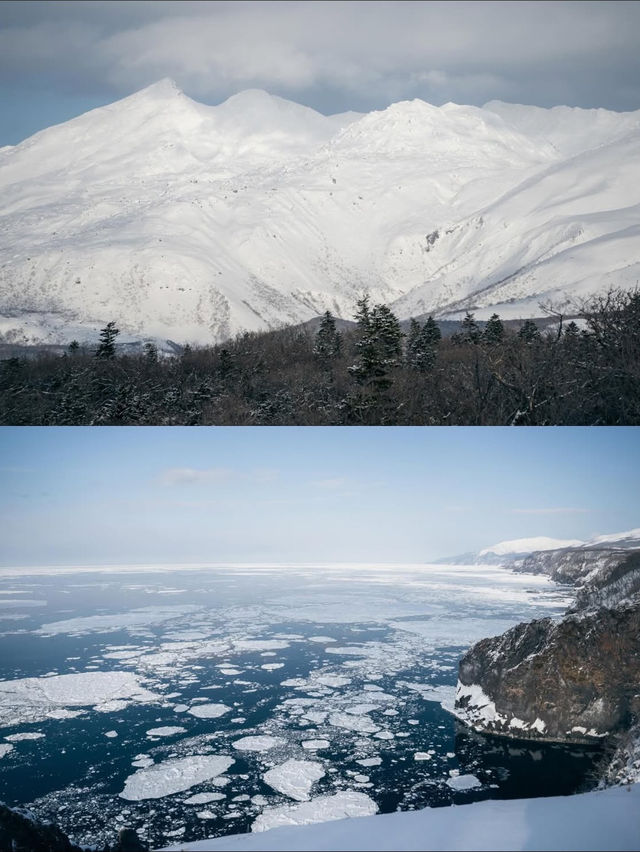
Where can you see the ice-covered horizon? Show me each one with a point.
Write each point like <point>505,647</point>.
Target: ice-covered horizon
<point>502,548</point>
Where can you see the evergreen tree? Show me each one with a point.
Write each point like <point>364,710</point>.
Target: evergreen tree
<point>388,334</point>
<point>572,340</point>
<point>368,362</point>
<point>469,331</point>
<point>422,345</point>
<point>413,343</point>
<point>107,346</point>
<point>363,315</point>
<point>328,340</point>
<point>151,352</point>
<point>431,332</point>
<point>379,345</point>
<point>571,331</point>
<point>493,333</point>
<point>73,347</point>
<point>529,331</point>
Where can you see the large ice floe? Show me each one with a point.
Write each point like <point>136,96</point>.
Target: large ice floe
<point>294,778</point>
<point>34,699</point>
<point>166,731</point>
<point>118,621</point>
<point>174,776</point>
<point>258,743</point>
<point>209,711</point>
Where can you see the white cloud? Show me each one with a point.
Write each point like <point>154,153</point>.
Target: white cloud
<point>555,510</point>
<point>198,476</point>
<point>191,475</point>
<point>368,52</point>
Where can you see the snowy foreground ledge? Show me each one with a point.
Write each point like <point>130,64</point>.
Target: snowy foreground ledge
<point>601,820</point>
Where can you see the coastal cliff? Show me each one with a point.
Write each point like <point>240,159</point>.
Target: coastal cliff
<point>576,680</point>
<point>573,680</point>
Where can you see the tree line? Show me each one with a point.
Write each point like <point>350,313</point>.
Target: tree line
<point>376,373</point>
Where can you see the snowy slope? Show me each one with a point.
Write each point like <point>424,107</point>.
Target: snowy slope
<point>603,820</point>
<point>628,539</point>
<point>516,548</point>
<point>192,222</point>
<point>529,545</point>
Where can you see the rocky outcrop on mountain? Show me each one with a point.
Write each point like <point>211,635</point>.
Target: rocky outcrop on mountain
<point>576,680</point>
<point>574,565</point>
<point>616,580</point>
<point>571,680</point>
<point>604,575</point>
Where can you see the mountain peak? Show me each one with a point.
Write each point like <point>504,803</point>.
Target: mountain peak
<point>164,88</point>
<point>261,102</point>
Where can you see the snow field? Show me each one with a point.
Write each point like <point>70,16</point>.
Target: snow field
<point>598,821</point>
<point>203,221</point>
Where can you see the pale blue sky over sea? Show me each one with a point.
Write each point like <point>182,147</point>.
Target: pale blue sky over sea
<point>143,495</point>
<point>59,58</point>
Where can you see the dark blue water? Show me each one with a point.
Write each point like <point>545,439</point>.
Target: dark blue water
<point>74,774</point>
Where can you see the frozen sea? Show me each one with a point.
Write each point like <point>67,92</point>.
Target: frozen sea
<point>198,701</point>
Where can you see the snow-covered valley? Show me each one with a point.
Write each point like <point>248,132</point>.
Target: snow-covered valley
<point>198,702</point>
<point>190,222</point>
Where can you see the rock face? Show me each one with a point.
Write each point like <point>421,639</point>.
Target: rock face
<point>581,566</point>
<point>573,680</point>
<point>576,680</point>
<point>20,831</point>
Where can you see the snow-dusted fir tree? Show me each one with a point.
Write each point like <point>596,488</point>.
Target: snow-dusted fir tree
<point>151,352</point>
<point>431,332</point>
<point>328,340</point>
<point>493,333</point>
<point>571,331</point>
<point>469,330</point>
<point>379,345</point>
<point>529,331</point>
<point>107,345</point>
<point>388,334</point>
<point>422,345</point>
<point>413,343</point>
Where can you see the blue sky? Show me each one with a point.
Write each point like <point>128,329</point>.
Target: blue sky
<point>119,495</point>
<point>59,58</point>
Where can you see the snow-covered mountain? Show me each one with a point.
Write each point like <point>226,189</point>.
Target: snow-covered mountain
<point>518,546</point>
<point>629,540</point>
<point>192,222</point>
<point>514,551</point>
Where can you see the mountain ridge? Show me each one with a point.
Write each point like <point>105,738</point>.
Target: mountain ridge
<point>194,222</point>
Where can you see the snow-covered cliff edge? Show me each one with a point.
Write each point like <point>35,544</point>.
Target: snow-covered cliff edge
<point>573,680</point>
